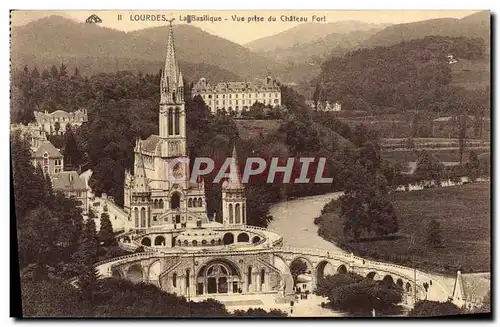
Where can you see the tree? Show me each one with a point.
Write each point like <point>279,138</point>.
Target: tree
<point>434,234</point>
<point>72,155</point>
<point>427,308</point>
<point>354,293</point>
<point>28,186</point>
<point>106,236</point>
<point>62,70</point>
<point>57,127</point>
<point>37,240</point>
<point>366,204</point>
<point>53,72</point>
<point>35,73</point>
<point>86,254</point>
<point>429,169</point>
<point>472,166</point>
<point>297,267</point>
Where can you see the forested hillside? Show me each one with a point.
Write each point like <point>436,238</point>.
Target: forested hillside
<point>400,78</point>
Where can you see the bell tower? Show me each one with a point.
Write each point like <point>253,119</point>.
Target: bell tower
<point>172,115</point>
<point>233,196</point>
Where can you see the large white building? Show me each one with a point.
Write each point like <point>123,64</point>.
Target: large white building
<point>57,121</point>
<point>238,96</point>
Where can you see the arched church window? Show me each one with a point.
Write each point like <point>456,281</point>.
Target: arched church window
<point>177,120</point>
<point>174,280</point>
<point>136,215</point>
<point>200,202</point>
<point>170,121</point>
<point>230,213</point>
<point>175,201</point>
<point>190,203</point>
<point>237,213</point>
<point>194,203</point>
<point>160,204</point>
<point>143,217</point>
<point>243,211</point>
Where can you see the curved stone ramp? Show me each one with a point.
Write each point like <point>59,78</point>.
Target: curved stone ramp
<point>437,291</point>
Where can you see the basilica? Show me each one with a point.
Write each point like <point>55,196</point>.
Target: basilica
<point>159,191</point>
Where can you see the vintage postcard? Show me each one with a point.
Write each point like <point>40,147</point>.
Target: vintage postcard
<point>251,163</point>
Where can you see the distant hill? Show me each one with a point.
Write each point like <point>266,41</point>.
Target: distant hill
<point>315,51</point>
<point>197,46</point>
<point>413,75</point>
<point>93,48</point>
<point>474,26</point>
<point>309,32</point>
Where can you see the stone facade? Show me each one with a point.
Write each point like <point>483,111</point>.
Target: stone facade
<point>32,132</point>
<point>55,123</point>
<point>238,96</point>
<point>49,158</point>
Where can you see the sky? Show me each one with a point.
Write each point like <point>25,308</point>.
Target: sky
<point>239,32</point>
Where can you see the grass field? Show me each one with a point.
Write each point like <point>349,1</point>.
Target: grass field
<point>464,215</point>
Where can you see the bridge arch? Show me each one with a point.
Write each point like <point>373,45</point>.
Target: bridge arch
<point>388,280</point>
<point>146,241</point>
<point>160,240</point>
<point>372,275</point>
<point>243,237</point>
<point>255,239</point>
<point>323,269</point>
<point>310,266</point>
<point>342,269</point>
<point>399,283</point>
<point>135,274</point>
<point>228,238</point>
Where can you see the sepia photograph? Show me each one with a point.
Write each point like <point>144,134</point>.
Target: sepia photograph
<point>250,164</point>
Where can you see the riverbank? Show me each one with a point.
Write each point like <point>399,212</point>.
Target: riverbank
<point>464,215</point>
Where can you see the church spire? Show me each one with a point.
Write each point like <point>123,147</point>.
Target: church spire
<point>234,181</point>
<point>171,83</point>
<point>141,184</point>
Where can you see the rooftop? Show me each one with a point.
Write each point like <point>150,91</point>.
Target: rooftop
<point>49,148</point>
<point>68,181</point>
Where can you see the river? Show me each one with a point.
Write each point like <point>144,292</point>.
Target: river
<point>294,220</point>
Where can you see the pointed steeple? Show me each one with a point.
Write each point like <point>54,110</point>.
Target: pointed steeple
<point>140,180</point>
<point>171,80</point>
<point>234,181</point>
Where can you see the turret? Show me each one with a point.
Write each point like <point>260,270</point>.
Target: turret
<point>233,195</point>
<point>140,204</point>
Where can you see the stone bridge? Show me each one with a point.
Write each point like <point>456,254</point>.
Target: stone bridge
<point>150,266</point>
